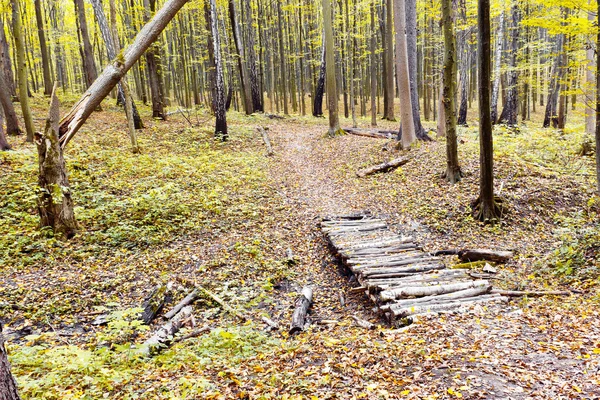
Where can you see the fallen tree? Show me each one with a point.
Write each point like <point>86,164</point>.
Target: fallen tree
<point>473,255</point>
<point>164,335</point>
<point>384,167</point>
<point>372,133</point>
<point>302,305</point>
<point>113,73</point>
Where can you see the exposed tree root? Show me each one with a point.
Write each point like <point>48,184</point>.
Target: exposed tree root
<point>453,175</point>
<point>488,215</point>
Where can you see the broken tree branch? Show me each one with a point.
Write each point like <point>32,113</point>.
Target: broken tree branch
<point>265,137</point>
<point>164,336</point>
<point>384,167</point>
<point>189,299</point>
<point>302,305</point>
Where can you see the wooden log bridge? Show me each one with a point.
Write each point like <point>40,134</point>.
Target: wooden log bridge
<point>396,274</point>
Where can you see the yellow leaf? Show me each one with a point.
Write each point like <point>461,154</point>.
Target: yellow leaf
<point>405,392</point>
<point>596,351</point>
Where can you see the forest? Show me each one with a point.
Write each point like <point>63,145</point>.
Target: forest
<point>299,199</point>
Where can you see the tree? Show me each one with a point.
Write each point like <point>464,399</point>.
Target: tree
<point>257,102</point>
<point>497,65</point>
<point>12,122</point>
<point>219,95</point>
<point>43,48</point>
<point>113,73</point>
<point>485,207</point>
<point>6,64</point>
<point>241,59</point>
<point>373,68</point>
<point>22,69</point>
<point>154,70</point>
<point>389,62</point>
<point>402,72</point>
<point>111,43</point>
<point>3,142</point>
<point>8,385</point>
<point>411,45</point>
<point>320,86</point>
<point>453,172</point>
<point>87,54</point>
<point>598,102</point>
<point>334,123</point>
<point>510,111</point>
<point>55,204</point>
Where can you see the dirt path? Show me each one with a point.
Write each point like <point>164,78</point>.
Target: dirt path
<point>534,349</point>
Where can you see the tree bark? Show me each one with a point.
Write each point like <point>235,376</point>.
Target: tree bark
<point>407,130</point>
<point>22,69</point>
<point>373,58</point>
<point>282,59</point>
<point>89,66</point>
<point>453,172</point>
<point>334,123</point>
<point>598,103</point>
<point>302,305</point>
<point>389,61</point>
<point>3,142</point>
<point>154,70</point>
<point>556,76</point>
<point>589,80</point>
<point>510,110</point>
<point>241,59</point>
<point>485,208</point>
<point>6,64</point>
<point>497,66</point>
<point>12,122</point>
<point>55,205</point>
<point>257,102</point>
<point>113,73</point>
<point>8,385</point>
<point>411,45</point>
<point>219,97</point>
<point>43,48</point>
<point>320,87</point>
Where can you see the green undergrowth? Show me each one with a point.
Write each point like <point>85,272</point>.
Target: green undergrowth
<point>108,367</point>
<point>183,183</point>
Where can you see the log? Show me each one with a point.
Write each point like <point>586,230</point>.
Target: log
<point>419,291</point>
<point>164,335</point>
<point>442,298</point>
<point>363,323</point>
<point>529,293</point>
<point>469,265</point>
<point>399,272</point>
<point>265,137</point>
<point>302,305</point>
<point>424,257</point>
<point>485,254</point>
<point>154,303</point>
<point>192,334</point>
<point>384,167</point>
<point>348,217</point>
<point>371,133</point>
<point>370,258</point>
<point>448,306</point>
<point>8,385</point>
<point>224,305</point>
<point>113,73</point>
<point>272,324</point>
<point>189,299</point>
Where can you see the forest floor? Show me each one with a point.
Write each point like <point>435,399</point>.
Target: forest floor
<point>193,211</point>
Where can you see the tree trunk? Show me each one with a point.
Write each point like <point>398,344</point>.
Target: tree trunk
<point>12,122</point>
<point>111,43</point>
<point>373,57</point>
<point>6,65</point>
<point>8,385</point>
<point>402,72</point>
<point>55,205</point>
<point>510,110</point>
<point>334,123</point>
<point>485,208</point>
<point>589,88</point>
<point>89,66</point>
<point>453,172</point>
<point>320,87</point>
<point>257,102</point>
<point>282,59</point>
<point>550,115</point>
<point>43,48</point>
<point>113,73</point>
<point>3,142</point>
<point>219,98</point>
<point>154,70</point>
<point>22,69</point>
<point>411,45</point>
<point>389,62</point>
<point>598,102</point>
<point>241,59</point>
<point>497,66</point>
